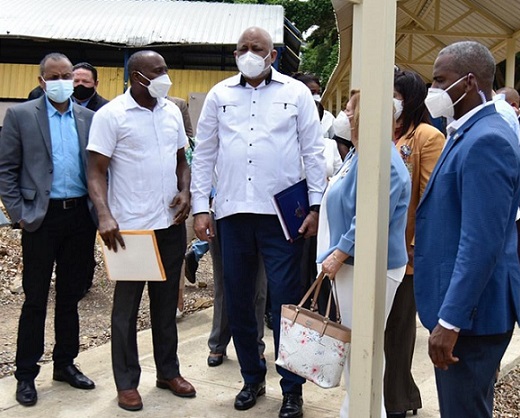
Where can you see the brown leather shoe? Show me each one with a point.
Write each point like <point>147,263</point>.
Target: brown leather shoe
<point>129,400</point>
<point>178,386</point>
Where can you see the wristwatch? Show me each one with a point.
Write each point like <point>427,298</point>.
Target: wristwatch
<point>315,208</point>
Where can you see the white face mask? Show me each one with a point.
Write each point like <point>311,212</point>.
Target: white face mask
<point>316,97</point>
<point>251,65</point>
<point>158,86</point>
<point>342,126</point>
<point>398,105</point>
<point>439,102</point>
<point>59,91</point>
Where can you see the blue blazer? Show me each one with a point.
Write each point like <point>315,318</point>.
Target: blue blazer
<point>466,263</point>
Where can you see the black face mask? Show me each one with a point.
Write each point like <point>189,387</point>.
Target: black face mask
<point>83,93</point>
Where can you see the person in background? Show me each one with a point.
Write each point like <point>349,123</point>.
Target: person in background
<point>337,230</point>
<point>313,84</point>
<point>85,81</point>
<point>419,145</point>
<point>139,139</point>
<point>35,93</point>
<point>85,87</point>
<point>256,129</point>
<point>44,189</point>
<point>466,270</point>
<point>512,97</point>
<point>220,334</point>
<point>188,129</point>
<point>342,134</point>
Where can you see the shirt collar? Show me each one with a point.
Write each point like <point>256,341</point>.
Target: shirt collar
<point>51,110</point>
<point>239,80</point>
<point>130,102</point>
<point>456,124</point>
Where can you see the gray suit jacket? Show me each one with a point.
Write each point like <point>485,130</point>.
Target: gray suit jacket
<point>26,159</point>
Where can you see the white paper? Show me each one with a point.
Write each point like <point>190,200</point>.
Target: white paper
<point>140,261</point>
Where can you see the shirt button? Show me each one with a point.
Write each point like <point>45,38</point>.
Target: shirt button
<point>47,192</point>
<point>249,178</point>
<point>254,101</point>
<point>252,129</point>
<point>250,161</point>
<point>250,145</point>
<point>50,170</point>
<point>253,114</point>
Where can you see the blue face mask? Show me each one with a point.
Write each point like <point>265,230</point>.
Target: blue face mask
<point>59,91</point>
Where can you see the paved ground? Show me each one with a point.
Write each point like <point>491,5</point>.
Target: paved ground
<point>216,387</point>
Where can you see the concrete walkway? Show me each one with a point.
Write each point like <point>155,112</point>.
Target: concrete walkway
<point>216,387</point>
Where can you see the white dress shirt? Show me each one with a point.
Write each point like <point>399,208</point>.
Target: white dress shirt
<point>256,138</point>
<point>142,145</point>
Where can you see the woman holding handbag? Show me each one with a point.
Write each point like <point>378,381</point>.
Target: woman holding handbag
<point>337,229</point>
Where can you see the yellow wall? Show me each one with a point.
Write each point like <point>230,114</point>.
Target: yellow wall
<point>18,80</point>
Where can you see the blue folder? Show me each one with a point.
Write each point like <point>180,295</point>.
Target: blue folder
<point>292,206</point>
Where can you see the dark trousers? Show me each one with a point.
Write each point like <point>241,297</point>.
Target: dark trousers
<point>220,334</point>
<point>163,306</point>
<point>400,391</point>
<point>466,389</point>
<point>242,237</point>
<point>66,237</point>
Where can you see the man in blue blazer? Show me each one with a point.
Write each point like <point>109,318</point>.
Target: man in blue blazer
<point>467,278</point>
<point>43,187</point>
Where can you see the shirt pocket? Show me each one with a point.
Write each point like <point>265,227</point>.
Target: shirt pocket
<point>227,112</point>
<point>282,115</point>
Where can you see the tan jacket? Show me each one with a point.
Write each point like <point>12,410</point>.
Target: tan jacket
<point>420,153</point>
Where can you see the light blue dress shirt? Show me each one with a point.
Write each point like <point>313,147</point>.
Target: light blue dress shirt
<point>69,178</point>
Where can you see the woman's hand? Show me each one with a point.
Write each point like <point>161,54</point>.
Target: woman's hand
<point>333,263</point>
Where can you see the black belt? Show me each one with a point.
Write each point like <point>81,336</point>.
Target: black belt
<point>66,204</point>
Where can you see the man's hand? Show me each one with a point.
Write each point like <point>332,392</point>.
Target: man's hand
<point>181,202</point>
<point>440,347</point>
<point>203,227</point>
<point>109,231</point>
<point>309,226</point>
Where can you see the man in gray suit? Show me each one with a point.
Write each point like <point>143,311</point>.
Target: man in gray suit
<point>43,187</point>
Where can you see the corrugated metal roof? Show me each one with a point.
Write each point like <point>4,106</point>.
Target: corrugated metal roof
<point>137,23</point>
<point>424,27</point>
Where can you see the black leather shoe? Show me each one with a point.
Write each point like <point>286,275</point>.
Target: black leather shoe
<point>73,377</point>
<point>215,359</point>
<point>26,393</point>
<point>190,267</point>
<point>268,319</point>
<point>399,414</point>
<point>246,398</point>
<point>292,406</point>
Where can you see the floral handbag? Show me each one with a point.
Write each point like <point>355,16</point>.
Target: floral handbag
<point>311,345</point>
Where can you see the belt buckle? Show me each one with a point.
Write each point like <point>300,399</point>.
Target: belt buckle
<point>69,204</point>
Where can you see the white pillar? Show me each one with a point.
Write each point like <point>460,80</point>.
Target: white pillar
<point>510,63</point>
<point>373,54</point>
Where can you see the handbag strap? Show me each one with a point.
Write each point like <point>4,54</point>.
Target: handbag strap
<point>334,291</point>
<point>314,289</point>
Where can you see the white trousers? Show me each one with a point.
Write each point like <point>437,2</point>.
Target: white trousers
<point>344,284</point>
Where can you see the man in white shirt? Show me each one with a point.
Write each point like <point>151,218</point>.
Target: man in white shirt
<point>139,139</point>
<point>256,128</point>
